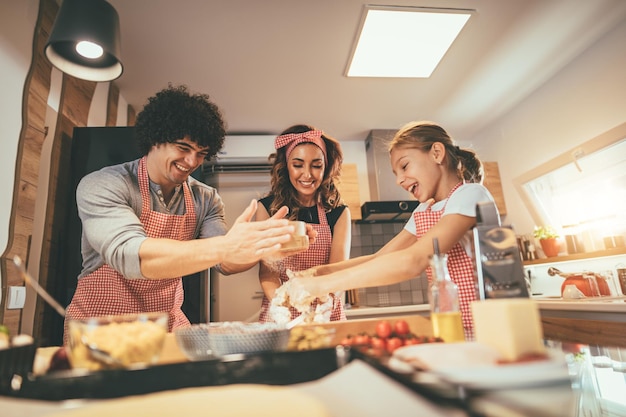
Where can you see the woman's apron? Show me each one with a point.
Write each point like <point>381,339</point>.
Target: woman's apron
<point>106,292</point>
<point>460,264</point>
<point>317,254</point>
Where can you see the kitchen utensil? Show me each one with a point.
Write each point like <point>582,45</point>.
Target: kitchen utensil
<point>35,285</point>
<point>98,354</point>
<point>590,283</point>
<point>101,355</point>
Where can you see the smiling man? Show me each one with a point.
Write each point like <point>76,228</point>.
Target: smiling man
<point>146,223</point>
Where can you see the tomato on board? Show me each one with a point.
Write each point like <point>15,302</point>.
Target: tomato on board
<point>383,329</point>
<point>347,341</point>
<point>411,339</point>
<point>394,343</point>
<point>401,327</point>
<point>362,339</point>
<point>378,343</point>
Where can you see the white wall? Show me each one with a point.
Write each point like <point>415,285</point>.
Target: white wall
<point>17,23</point>
<point>581,102</point>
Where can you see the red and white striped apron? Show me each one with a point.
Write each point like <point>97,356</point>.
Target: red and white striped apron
<point>460,264</point>
<point>106,292</point>
<point>317,254</point>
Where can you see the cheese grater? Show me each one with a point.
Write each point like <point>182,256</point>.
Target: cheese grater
<point>499,265</point>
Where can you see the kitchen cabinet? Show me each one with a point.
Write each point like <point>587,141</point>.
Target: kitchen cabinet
<point>493,183</point>
<point>348,186</point>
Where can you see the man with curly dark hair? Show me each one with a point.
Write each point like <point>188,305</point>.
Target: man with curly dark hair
<point>146,223</point>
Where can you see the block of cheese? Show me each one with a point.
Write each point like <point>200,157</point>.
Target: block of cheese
<point>512,326</point>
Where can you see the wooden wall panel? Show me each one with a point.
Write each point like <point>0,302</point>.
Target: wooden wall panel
<point>132,116</point>
<point>34,108</point>
<point>348,186</point>
<point>494,185</point>
<point>112,103</point>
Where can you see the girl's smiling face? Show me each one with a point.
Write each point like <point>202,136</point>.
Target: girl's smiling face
<point>306,171</point>
<point>416,171</point>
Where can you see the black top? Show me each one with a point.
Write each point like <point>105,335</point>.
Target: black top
<point>309,214</point>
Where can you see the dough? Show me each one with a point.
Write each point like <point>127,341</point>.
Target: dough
<point>236,400</point>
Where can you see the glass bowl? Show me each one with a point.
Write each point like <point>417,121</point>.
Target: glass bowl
<point>119,341</point>
<point>228,338</point>
<point>193,341</point>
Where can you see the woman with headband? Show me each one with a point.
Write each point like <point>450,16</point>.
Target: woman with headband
<point>305,167</point>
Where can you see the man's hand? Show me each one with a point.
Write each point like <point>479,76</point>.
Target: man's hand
<point>247,241</point>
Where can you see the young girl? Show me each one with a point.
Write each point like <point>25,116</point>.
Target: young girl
<point>447,181</point>
<point>306,164</point>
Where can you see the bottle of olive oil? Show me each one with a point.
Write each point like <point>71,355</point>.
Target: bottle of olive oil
<point>445,314</point>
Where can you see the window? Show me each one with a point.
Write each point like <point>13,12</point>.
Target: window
<point>583,191</point>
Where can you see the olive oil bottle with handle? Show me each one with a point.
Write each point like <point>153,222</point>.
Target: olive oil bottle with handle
<point>445,314</point>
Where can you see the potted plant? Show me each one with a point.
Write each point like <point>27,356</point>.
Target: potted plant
<point>547,236</point>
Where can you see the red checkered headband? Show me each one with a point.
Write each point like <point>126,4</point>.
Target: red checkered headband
<point>291,140</point>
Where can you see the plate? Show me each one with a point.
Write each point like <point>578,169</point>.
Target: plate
<point>476,366</point>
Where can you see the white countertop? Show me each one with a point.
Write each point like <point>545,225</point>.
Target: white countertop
<point>366,311</point>
<point>597,305</point>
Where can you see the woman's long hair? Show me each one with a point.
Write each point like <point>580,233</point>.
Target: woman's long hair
<point>283,191</point>
<point>422,135</point>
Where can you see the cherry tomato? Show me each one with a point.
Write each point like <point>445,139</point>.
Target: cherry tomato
<point>378,343</point>
<point>347,341</point>
<point>362,339</point>
<point>401,327</point>
<point>383,329</point>
<point>394,343</point>
<point>411,339</point>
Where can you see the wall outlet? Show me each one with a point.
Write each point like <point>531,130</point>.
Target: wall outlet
<point>17,298</point>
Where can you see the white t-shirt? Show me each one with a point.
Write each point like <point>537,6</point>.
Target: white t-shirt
<point>462,201</point>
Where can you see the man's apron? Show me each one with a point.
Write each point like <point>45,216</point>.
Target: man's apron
<point>106,292</point>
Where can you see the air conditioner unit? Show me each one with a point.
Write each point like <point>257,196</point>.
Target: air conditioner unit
<point>248,152</point>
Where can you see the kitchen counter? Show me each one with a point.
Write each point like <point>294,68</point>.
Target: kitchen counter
<point>363,312</point>
<point>601,308</point>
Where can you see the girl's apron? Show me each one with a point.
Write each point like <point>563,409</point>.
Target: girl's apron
<point>460,264</point>
<point>106,292</point>
<point>317,254</point>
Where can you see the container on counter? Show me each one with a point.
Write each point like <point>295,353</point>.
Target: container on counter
<point>445,313</point>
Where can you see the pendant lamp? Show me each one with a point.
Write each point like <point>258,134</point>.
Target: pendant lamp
<point>85,40</point>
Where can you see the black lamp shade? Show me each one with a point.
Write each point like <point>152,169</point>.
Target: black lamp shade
<point>86,20</point>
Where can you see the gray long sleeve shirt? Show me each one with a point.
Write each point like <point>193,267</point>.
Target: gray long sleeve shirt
<point>109,206</point>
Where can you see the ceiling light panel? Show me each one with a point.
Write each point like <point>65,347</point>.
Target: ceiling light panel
<point>404,42</point>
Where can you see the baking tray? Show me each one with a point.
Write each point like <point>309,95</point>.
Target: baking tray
<point>272,368</point>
